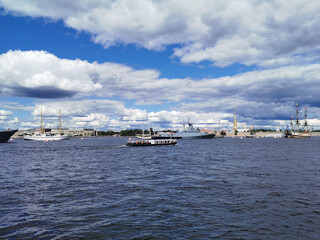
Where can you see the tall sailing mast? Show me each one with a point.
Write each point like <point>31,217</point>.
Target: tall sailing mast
<point>60,121</point>
<point>305,120</point>
<point>297,121</point>
<point>41,122</point>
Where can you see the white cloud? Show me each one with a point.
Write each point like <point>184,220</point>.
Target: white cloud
<point>255,90</point>
<point>225,32</point>
<point>5,113</point>
<point>92,120</point>
<point>14,121</point>
<point>107,114</point>
<point>268,94</point>
<point>41,74</point>
<point>6,121</point>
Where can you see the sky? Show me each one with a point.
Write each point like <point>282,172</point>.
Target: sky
<point>122,64</point>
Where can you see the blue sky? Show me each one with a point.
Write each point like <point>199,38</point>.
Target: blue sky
<point>116,64</point>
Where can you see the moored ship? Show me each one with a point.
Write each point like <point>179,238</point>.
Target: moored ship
<point>5,135</point>
<point>46,137</point>
<point>189,133</point>
<point>294,131</point>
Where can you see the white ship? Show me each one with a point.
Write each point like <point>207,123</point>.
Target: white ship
<point>46,137</point>
<point>150,142</point>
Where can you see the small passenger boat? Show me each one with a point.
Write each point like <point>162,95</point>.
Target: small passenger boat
<point>151,142</point>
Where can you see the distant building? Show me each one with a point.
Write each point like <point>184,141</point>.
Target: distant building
<point>64,131</point>
<point>207,131</point>
<point>89,132</point>
<point>83,132</point>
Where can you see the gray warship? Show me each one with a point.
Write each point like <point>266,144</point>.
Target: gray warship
<point>189,133</point>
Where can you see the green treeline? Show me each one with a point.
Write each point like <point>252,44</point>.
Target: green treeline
<point>134,132</point>
<point>263,130</point>
<point>131,132</point>
<point>127,132</point>
<point>107,133</point>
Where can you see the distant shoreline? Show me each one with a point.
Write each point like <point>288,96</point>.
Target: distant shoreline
<point>229,134</point>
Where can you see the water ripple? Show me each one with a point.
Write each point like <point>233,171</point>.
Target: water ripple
<point>202,189</point>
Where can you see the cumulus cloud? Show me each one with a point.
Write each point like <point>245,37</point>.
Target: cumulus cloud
<point>86,113</point>
<point>5,119</point>
<point>5,113</point>
<point>224,32</point>
<point>261,94</point>
<point>109,114</point>
<point>42,75</point>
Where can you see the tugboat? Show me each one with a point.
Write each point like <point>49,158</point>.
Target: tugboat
<point>296,131</point>
<point>190,133</point>
<point>150,142</point>
<point>5,135</point>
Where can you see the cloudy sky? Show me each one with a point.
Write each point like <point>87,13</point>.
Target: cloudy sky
<point>115,64</point>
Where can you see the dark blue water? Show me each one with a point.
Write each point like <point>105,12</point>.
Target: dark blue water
<point>200,189</point>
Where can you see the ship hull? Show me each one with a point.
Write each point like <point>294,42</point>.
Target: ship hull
<point>151,142</point>
<point>297,135</point>
<point>46,138</point>
<point>6,135</point>
<point>186,136</point>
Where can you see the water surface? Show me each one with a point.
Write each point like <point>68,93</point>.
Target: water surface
<point>97,188</point>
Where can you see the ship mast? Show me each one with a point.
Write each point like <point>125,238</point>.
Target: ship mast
<point>41,122</point>
<point>305,119</point>
<point>60,122</point>
<point>297,121</point>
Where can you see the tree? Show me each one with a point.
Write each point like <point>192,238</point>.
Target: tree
<point>130,132</point>
<point>107,133</point>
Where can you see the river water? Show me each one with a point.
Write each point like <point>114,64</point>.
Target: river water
<point>97,188</point>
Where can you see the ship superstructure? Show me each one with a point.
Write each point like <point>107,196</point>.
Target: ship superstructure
<point>189,133</point>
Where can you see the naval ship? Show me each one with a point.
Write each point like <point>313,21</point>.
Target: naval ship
<point>5,135</point>
<point>189,133</point>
